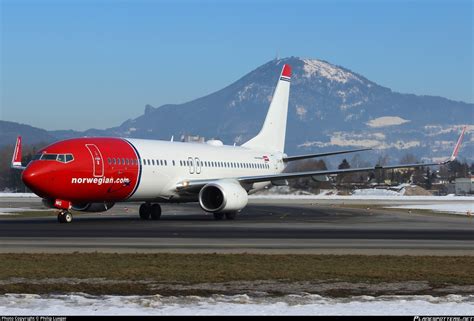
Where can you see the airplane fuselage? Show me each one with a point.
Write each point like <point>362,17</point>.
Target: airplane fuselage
<point>118,169</point>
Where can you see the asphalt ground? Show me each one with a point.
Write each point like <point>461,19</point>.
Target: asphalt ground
<point>265,226</point>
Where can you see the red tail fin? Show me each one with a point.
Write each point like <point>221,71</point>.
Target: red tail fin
<point>16,159</point>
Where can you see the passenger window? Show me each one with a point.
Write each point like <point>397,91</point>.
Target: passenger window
<point>166,163</point>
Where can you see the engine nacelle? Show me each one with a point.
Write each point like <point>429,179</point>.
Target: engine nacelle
<point>223,196</point>
<point>93,207</point>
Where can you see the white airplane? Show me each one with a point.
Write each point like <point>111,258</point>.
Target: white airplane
<point>92,174</point>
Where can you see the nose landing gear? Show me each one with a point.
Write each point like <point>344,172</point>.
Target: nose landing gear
<point>148,211</point>
<point>64,216</point>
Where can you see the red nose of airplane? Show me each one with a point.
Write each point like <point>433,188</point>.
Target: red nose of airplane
<point>37,179</point>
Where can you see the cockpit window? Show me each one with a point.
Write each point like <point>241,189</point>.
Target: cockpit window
<point>49,156</point>
<point>63,158</point>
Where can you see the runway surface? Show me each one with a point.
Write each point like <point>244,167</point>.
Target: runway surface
<point>263,227</point>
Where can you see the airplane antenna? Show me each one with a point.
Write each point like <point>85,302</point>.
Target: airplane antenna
<point>172,138</point>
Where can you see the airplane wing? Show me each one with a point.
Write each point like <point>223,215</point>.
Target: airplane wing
<point>298,157</point>
<point>194,185</point>
<point>16,158</point>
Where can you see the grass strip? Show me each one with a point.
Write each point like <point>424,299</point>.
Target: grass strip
<point>199,268</point>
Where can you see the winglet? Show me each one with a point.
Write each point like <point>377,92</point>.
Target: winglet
<point>16,159</point>
<point>457,147</point>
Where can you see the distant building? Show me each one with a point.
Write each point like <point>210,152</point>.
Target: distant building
<point>192,139</point>
<point>463,186</point>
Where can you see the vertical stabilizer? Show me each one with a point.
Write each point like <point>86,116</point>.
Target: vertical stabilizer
<point>272,134</point>
<point>16,158</point>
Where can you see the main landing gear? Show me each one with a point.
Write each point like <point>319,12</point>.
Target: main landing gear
<point>64,216</point>
<point>150,211</point>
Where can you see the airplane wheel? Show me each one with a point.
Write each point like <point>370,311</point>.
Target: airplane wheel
<point>155,212</point>
<point>67,217</point>
<point>144,211</point>
<point>64,217</point>
<point>230,215</point>
<point>218,216</point>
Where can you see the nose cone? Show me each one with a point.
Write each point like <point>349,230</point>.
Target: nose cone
<point>35,178</point>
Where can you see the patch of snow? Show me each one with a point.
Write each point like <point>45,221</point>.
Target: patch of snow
<point>369,140</point>
<point>130,130</point>
<point>298,304</point>
<point>8,210</point>
<point>386,121</point>
<point>17,194</point>
<point>446,208</point>
<point>367,197</point>
<point>314,67</point>
<point>301,111</point>
<point>378,192</point>
<point>379,136</point>
<point>347,106</point>
<point>434,130</point>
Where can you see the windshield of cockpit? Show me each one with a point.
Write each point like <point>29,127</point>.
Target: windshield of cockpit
<point>62,158</point>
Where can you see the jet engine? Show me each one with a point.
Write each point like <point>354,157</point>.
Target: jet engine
<point>223,196</point>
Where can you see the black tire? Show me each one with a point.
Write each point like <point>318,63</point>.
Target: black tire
<point>61,218</point>
<point>218,216</point>
<point>144,211</point>
<point>155,212</point>
<point>230,215</point>
<point>67,217</point>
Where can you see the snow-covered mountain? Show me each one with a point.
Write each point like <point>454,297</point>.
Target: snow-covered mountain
<point>330,108</point>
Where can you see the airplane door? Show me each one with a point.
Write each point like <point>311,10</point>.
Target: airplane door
<point>97,160</point>
<point>191,165</point>
<point>198,165</point>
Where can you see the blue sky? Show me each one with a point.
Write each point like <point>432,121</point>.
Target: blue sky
<point>94,64</point>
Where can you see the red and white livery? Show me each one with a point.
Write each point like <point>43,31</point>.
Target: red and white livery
<point>94,173</point>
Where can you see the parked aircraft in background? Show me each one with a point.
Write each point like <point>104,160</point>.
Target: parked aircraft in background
<point>92,174</point>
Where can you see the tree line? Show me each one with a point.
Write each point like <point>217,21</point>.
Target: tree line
<point>425,177</point>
